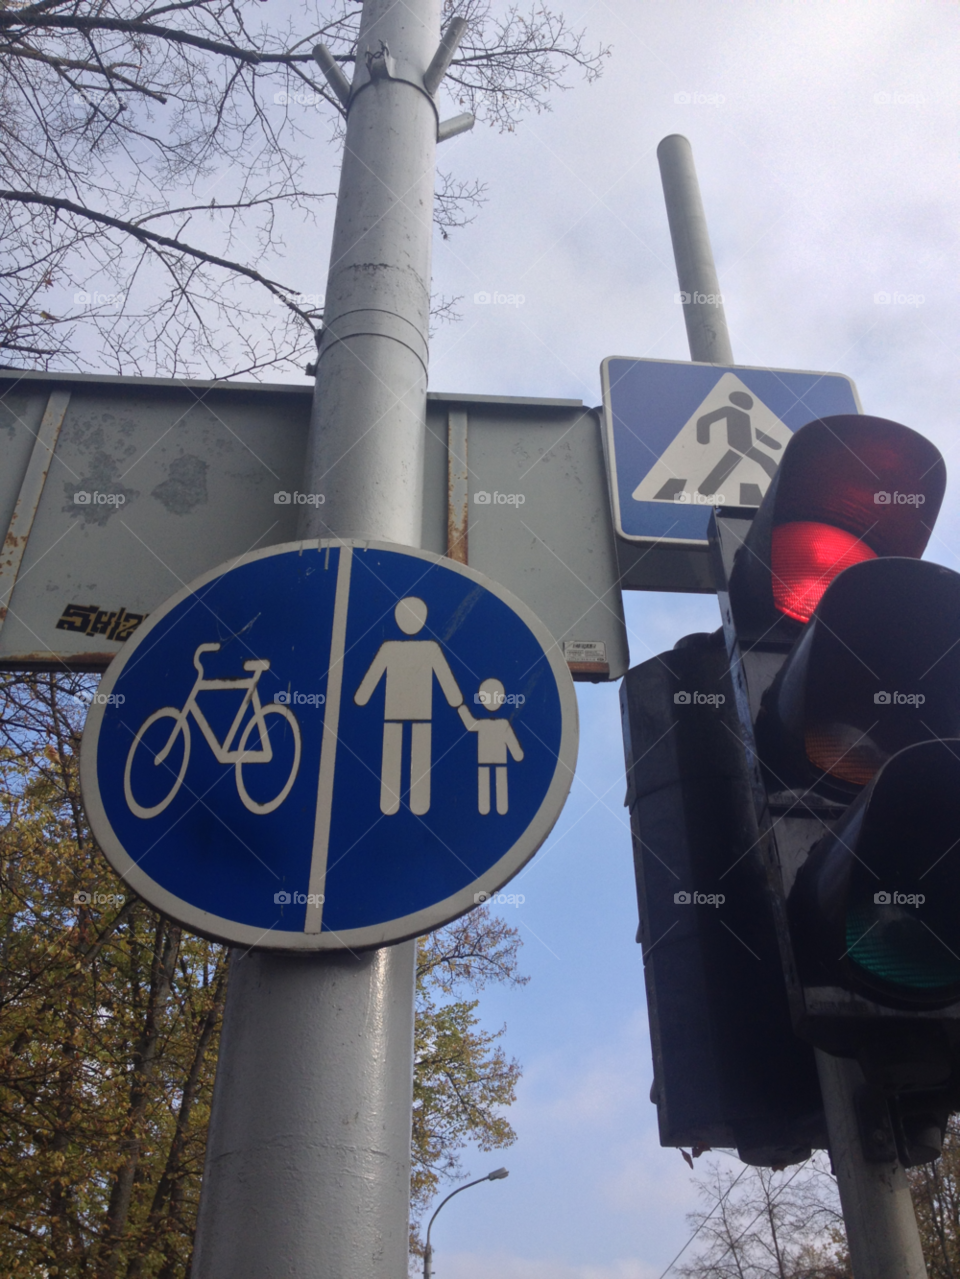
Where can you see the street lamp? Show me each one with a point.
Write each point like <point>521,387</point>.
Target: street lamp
<point>497,1175</point>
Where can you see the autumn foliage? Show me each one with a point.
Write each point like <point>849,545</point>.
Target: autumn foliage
<point>109,1023</point>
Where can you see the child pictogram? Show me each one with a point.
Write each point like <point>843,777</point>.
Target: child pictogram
<point>494,738</point>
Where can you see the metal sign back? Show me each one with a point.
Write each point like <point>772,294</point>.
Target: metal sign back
<point>115,492</point>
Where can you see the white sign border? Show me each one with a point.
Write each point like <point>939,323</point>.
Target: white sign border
<point>205,923</point>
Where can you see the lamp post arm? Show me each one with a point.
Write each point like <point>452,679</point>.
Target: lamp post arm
<point>497,1175</point>
<point>465,1186</point>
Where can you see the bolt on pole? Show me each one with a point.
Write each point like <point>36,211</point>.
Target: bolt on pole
<point>878,1213</point>
<point>308,1160</point>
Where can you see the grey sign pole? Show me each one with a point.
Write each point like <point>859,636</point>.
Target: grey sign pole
<point>696,273</point>
<point>308,1160</point>
<point>877,1209</point>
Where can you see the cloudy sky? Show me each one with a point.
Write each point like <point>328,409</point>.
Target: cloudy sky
<point>824,137</point>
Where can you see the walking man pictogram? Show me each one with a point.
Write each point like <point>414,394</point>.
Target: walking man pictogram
<point>739,441</point>
<point>410,666</point>
<point>494,738</point>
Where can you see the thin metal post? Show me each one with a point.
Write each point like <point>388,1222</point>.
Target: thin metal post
<point>308,1159</point>
<point>696,274</point>
<point>878,1211</point>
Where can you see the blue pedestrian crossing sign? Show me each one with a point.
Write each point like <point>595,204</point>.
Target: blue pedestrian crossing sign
<point>329,744</point>
<point>683,438</point>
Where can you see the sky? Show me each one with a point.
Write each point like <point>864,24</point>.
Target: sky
<point>824,139</point>
<point>824,136</point>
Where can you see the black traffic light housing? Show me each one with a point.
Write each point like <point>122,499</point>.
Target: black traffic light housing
<point>844,654</point>
<point>728,1068</point>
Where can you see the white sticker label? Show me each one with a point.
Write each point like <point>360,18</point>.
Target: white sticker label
<point>584,651</point>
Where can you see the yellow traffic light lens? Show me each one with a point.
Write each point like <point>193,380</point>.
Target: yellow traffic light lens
<point>844,751</point>
<point>805,558</point>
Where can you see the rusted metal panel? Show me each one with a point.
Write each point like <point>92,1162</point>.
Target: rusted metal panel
<point>28,499</point>
<point>182,476</point>
<point>458,486</point>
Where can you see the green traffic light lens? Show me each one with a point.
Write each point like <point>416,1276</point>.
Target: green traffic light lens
<point>892,945</point>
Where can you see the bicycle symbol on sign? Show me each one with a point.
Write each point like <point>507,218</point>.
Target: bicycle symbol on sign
<point>224,751</point>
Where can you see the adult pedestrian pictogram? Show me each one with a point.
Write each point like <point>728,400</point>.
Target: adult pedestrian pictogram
<point>410,666</point>
<point>383,805</point>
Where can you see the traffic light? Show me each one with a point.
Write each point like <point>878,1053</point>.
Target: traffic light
<point>844,652</point>
<point>813,795</point>
<point>728,1068</point>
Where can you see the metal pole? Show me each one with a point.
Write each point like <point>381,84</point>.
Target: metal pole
<point>878,1211</point>
<point>369,409</point>
<point>877,1208</point>
<point>696,274</point>
<point>308,1160</point>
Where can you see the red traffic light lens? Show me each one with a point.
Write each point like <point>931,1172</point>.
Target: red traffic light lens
<point>805,558</point>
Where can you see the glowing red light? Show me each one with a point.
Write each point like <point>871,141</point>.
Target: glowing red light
<point>806,557</point>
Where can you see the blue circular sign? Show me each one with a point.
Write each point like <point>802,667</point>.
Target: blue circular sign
<point>326,745</point>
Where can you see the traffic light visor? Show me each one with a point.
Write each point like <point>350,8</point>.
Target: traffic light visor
<point>848,489</point>
<point>876,906</point>
<point>876,670</point>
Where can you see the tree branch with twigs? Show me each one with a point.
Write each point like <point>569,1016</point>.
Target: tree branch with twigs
<point>159,155</point>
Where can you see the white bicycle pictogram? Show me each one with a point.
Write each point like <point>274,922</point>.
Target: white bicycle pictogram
<point>224,751</point>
